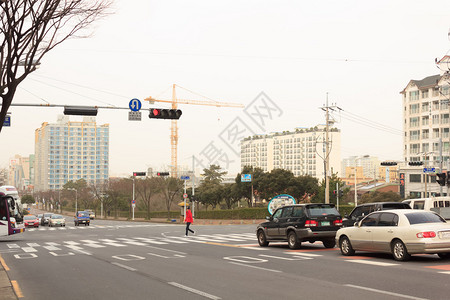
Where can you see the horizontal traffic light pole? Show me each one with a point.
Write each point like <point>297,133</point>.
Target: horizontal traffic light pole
<point>84,110</point>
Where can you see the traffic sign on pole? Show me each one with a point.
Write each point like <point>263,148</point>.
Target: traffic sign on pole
<point>185,177</point>
<point>135,104</point>
<point>185,195</point>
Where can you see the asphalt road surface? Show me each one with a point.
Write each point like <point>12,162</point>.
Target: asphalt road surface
<point>130,260</point>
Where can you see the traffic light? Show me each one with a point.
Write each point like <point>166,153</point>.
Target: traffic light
<point>441,178</point>
<point>341,193</point>
<point>80,111</point>
<point>415,163</point>
<point>388,163</point>
<point>139,173</point>
<point>334,192</point>
<point>159,113</point>
<point>162,173</point>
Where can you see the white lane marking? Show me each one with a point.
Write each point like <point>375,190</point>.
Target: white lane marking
<point>157,255</point>
<point>53,244</point>
<point>79,249</point>
<point>33,244</point>
<point>250,266</point>
<point>128,257</point>
<point>25,255</point>
<point>123,266</point>
<point>369,262</point>
<point>285,258</point>
<point>168,250</point>
<point>173,241</point>
<point>383,292</point>
<point>112,243</point>
<point>12,246</point>
<point>446,272</point>
<point>304,254</point>
<point>206,239</point>
<point>192,290</point>
<point>246,259</point>
<point>151,241</point>
<point>52,248</point>
<point>62,228</point>
<point>136,243</point>
<point>71,242</point>
<point>255,248</point>
<point>222,237</point>
<point>62,254</point>
<point>29,249</point>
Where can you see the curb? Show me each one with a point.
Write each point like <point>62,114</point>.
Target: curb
<point>6,288</point>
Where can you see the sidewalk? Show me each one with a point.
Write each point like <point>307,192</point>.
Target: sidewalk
<point>6,289</point>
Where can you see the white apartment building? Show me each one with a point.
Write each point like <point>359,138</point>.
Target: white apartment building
<point>69,151</point>
<point>301,151</point>
<point>426,126</point>
<point>370,165</point>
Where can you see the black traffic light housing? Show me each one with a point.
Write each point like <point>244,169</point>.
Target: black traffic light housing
<point>162,173</point>
<point>80,111</point>
<point>415,163</point>
<point>388,163</point>
<point>139,173</point>
<point>160,113</point>
<point>441,178</point>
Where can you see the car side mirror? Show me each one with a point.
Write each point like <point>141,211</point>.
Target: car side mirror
<point>346,216</point>
<point>269,218</point>
<point>357,224</point>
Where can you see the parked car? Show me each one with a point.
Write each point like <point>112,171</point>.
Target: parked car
<point>440,205</point>
<point>30,221</point>
<point>45,218</point>
<point>82,217</point>
<point>401,232</point>
<point>363,210</point>
<point>57,220</point>
<point>299,223</point>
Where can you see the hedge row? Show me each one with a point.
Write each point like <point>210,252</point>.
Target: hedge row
<point>225,214</point>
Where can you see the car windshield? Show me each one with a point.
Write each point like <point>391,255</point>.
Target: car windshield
<point>322,210</point>
<point>424,217</point>
<point>29,218</point>
<point>47,215</point>
<point>57,217</point>
<point>83,214</point>
<point>39,215</point>
<point>387,206</point>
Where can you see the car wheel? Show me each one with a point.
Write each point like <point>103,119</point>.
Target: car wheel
<point>399,251</point>
<point>444,255</point>
<point>262,240</point>
<point>346,246</point>
<point>329,243</point>
<point>293,241</point>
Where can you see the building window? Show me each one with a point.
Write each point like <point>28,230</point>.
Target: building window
<point>415,177</point>
<point>444,119</point>
<point>414,108</point>
<point>425,147</point>
<point>413,95</point>
<point>414,122</point>
<point>435,132</point>
<point>435,105</point>
<point>424,94</point>
<point>415,148</point>
<point>425,120</point>
<point>414,135</point>
<point>425,134</point>
<point>435,91</point>
<point>435,119</point>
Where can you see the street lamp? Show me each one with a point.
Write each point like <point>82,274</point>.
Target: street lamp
<point>76,199</point>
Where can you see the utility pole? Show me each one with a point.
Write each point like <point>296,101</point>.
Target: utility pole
<point>328,122</point>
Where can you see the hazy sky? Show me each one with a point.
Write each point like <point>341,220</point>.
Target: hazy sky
<point>362,53</point>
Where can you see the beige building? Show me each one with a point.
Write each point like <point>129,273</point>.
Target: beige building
<point>426,126</point>
<point>69,151</point>
<point>21,172</point>
<point>301,151</point>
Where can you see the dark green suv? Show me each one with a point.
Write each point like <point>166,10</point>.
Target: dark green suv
<point>299,223</point>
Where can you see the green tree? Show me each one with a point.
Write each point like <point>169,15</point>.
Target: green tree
<point>28,199</point>
<point>377,196</point>
<point>230,194</point>
<point>320,196</point>
<point>213,175</point>
<point>302,188</point>
<point>277,182</point>
<point>211,190</point>
<point>244,189</point>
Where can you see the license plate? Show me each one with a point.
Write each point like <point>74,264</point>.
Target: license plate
<point>325,223</point>
<point>445,235</point>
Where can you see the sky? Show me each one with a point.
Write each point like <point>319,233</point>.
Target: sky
<point>290,55</point>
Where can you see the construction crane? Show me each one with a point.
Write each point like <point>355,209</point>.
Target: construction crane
<point>174,127</point>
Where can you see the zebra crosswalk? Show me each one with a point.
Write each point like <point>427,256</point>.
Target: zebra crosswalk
<point>45,228</point>
<point>85,245</point>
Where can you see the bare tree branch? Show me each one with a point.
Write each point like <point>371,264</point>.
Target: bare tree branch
<point>31,28</point>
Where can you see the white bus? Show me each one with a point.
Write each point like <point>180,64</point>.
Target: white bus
<point>10,190</point>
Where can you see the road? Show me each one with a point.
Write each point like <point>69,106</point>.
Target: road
<point>131,260</point>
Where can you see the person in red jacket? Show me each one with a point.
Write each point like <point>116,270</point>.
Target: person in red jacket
<point>188,220</point>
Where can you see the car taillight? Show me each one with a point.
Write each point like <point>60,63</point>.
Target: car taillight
<point>337,222</point>
<point>311,223</point>
<point>426,234</point>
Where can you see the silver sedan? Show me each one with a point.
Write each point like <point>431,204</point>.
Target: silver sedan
<point>400,232</point>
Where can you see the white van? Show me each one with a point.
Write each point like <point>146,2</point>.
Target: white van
<point>441,205</point>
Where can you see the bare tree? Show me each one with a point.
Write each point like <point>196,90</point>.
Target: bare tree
<point>31,28</point>
<point>146,188</point>
<point>171,188</point>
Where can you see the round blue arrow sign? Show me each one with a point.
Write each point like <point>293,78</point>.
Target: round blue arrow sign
<point>135,104</point>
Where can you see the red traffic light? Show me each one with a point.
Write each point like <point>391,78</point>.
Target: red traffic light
<point>156,112</point>
<point>162,173</point>
<point>159,113</point>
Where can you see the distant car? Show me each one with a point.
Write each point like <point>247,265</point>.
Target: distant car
<point>82,217</point>
<point>299,223</point>
<point>363,210</point>
<point>401,232</point>
<point>91,214</point>
<point>31,221</point>
<point>39,216</point>
<point>45,218</point>
<point>56,220</point>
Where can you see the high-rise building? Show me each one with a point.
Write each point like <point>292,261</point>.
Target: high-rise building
<point>370,166</point>
<point>21,170</point>
<point>301,151</point>
<point>426,126</point>
<point>69,151</point>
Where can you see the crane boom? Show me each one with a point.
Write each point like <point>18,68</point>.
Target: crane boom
<point>174,126</point>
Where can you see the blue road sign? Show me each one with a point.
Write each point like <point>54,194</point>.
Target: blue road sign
<point>7,121</point>
<point>135,104</point>
<point>185,177</point>
<point>429,170</point>
<point>246,178</point>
